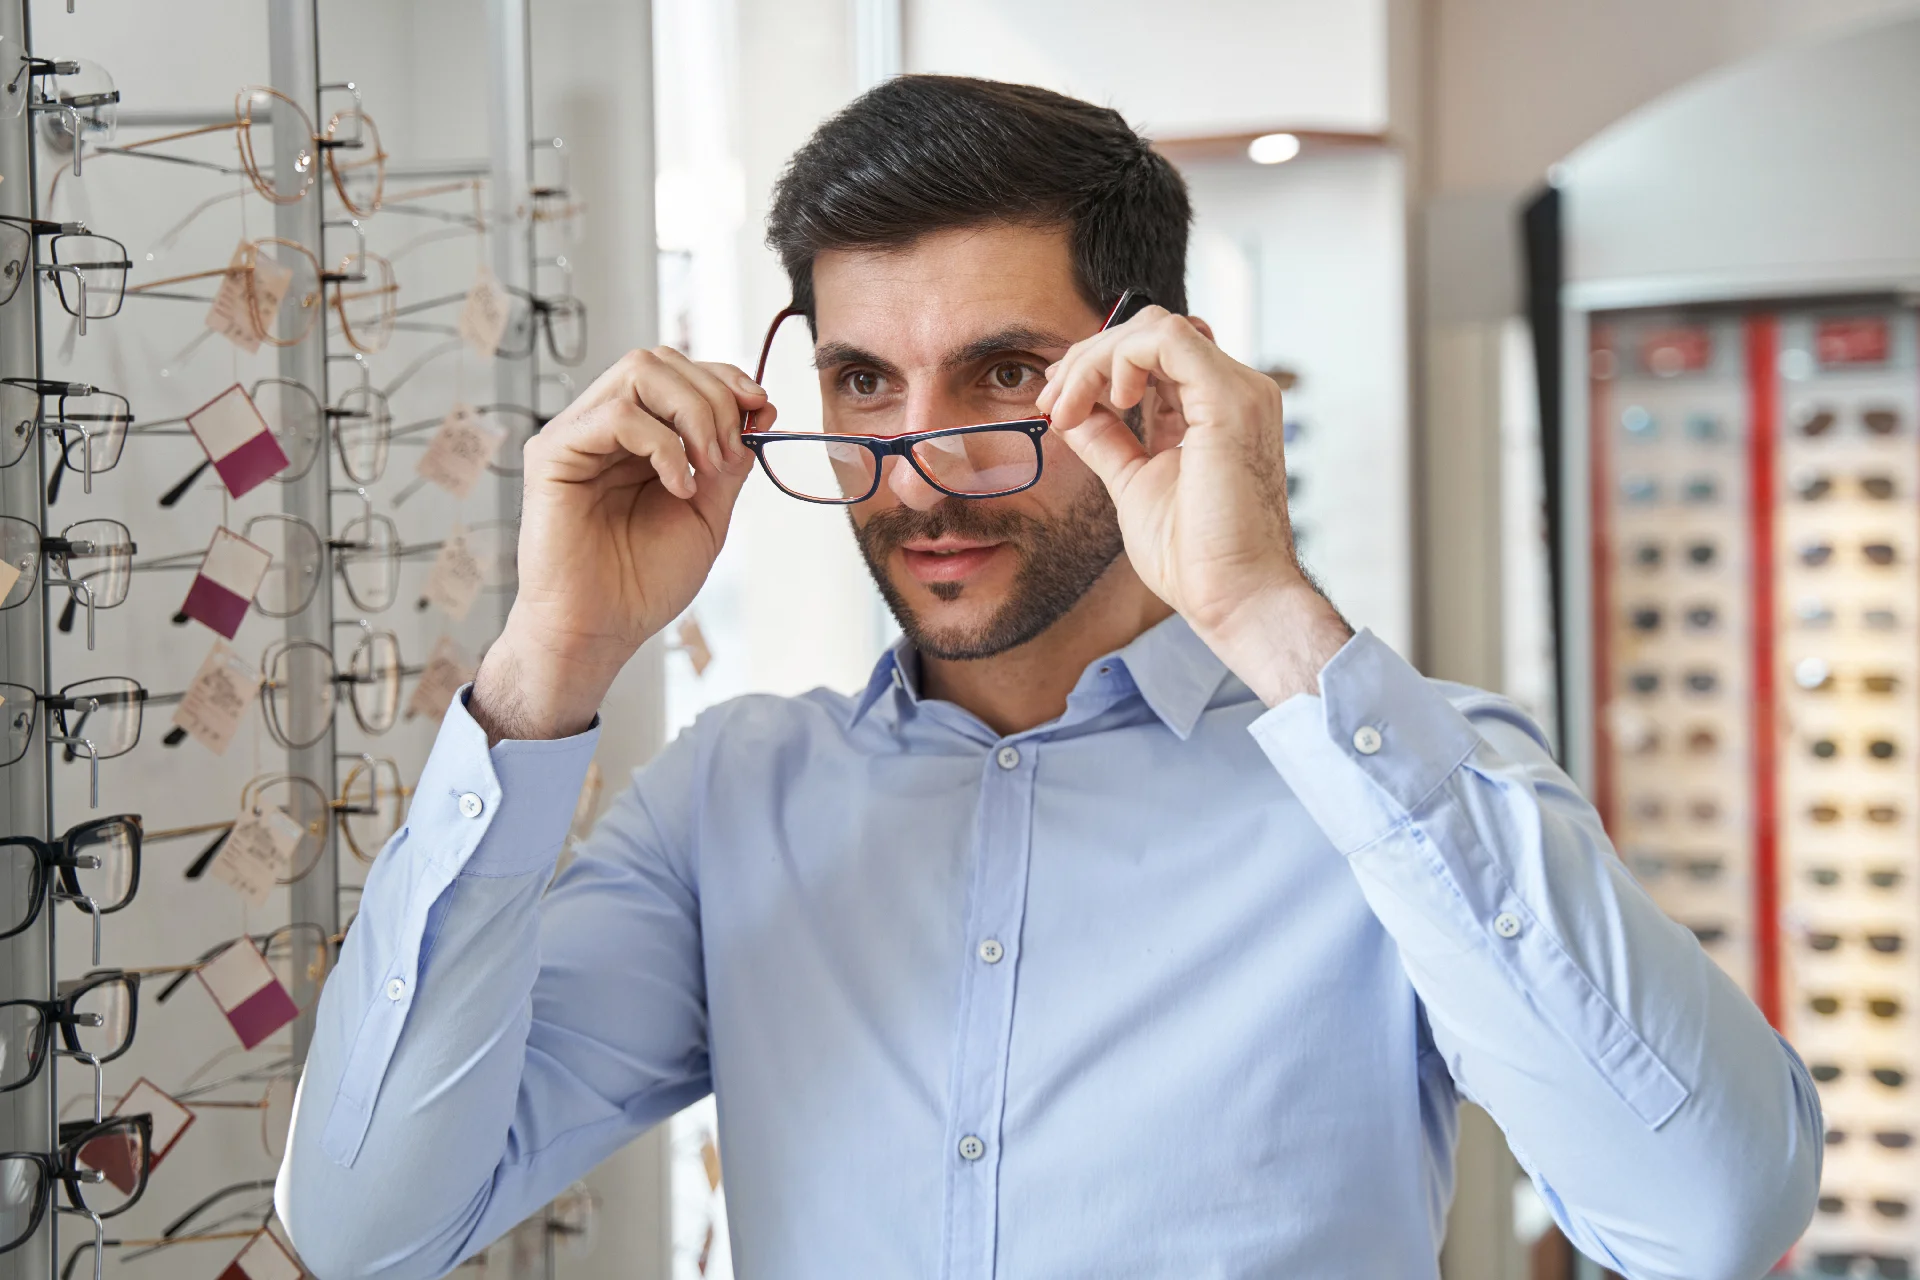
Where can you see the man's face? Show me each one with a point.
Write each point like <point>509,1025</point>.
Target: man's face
<point>955,329</point>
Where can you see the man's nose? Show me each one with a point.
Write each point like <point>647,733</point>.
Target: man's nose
<point>925,411</point>
<point>910,486</point>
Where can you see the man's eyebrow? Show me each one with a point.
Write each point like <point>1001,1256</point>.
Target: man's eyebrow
<point>1013,338</point>
<point>830,355</point>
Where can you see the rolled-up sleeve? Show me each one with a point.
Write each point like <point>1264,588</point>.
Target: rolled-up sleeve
<point>443,1097</point>
<point>1671,1132</point>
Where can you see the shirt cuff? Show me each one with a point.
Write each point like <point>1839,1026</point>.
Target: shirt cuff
<point>513,803</point>
<point>1363,753</point>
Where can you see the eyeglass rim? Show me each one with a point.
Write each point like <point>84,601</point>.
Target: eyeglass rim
<point>311,314</point>
<point>122,264</point>
<point>375,342</point>
<point>333,165</point>
<point>250,801</point>
<point>243,122</point>
<point>903,445</point>
<point>270,703</point>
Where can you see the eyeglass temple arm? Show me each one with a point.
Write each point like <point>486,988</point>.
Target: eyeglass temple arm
<point>195,275</point>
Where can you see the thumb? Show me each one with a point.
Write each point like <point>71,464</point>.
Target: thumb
<point>1109,449</point>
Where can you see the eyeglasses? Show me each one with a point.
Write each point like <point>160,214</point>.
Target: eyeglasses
<point>1825,812</point>
<point>97,719</point>
<point>1820,552</point>
<point>89,274</point>
<point>1820,420</point>
<point>95,1016</point>
<point>295,419</point>
<point>293,571</point>
<point>210,1220</point>
<point>1885,1206</point>
<point>1886,1266</point>
<point>1883,1007</point>
<point>562,317</point>
<point>370,798</point>
<point>518,423</point>
<point>301,680</point>
<point>94,560</point>
<point>259,115</point>
<point>1876,877</point>
<point>270,1090</point>
<point>989,460</point>
<point>95,866</point>
<point>1883,942</point>
<point>1877,749</point>
<point>1814,486</point>
<point>103,1168</point>
<point>285,324</point>
<point>16,248</point>
<point>1828,1072</point>
<point>91,425</point>
<point>300,954</point>
<point>76,95</point>
<point>1701,870</point>
<point>1816,675</point>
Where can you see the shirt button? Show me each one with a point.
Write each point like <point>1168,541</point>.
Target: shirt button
<point>471,805</point>
<point>1507,924</point>
<point>898,681</point>
<point>1009,757</point>
<point>396,989</point>
<point>971,1148</point>
<point>1366,739</point>
<point>991,951</point>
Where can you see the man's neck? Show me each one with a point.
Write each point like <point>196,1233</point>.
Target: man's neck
<point>1027,686</point>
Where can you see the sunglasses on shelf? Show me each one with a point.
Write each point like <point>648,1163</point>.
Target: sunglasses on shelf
<point>1877,877</point>
<point>1882,942</point>
<point>1816,486</point>
<point>1882,1266</point>
<point>1877,749</point>
<point>1819,552</point>
<point>1648,618</point>
<point>1701,870</point>
<point>1830,1072</point>
<point>1820,420</point>
<point>1883,1007</point>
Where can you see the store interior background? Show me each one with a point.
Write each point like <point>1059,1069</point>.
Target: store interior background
<point>1382,266</point>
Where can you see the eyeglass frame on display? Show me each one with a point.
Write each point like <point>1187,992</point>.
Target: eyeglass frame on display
<point>311,307</point>
<point>880,448</point>
<point>63,1011</point>
<point>41,388</point>
<point>63,549</point>
<point>61,703</point>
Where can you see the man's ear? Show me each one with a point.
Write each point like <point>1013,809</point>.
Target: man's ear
<point>1206,330</point>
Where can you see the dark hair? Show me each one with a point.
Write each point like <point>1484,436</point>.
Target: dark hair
<point>925,153</point>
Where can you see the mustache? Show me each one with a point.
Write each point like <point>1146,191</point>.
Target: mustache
<point>958,517</point>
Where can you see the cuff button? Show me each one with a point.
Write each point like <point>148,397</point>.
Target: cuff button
<point>471,805</point>
<point>1366,740</point>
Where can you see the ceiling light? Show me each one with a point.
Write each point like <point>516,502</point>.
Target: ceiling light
<point>1273,148</point>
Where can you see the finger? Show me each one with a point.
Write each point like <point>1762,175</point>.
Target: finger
<point>587,444</point>
<point>663,391</point>
<point>722,386</point>
<point>1109,449</point>
<point>1092,348</point>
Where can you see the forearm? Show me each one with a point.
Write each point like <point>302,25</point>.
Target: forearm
<point>413,1094</point>
<point>1679,1136</point>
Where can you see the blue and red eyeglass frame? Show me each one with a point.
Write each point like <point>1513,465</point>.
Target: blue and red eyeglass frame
<point>1131,302</point>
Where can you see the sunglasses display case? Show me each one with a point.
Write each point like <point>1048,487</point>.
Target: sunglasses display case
<point>1730,399</point>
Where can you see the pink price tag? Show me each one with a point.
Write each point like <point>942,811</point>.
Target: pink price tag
<point>237,440</point>
<point>247,990</point>
<point>460,450</point>
<point>230,573</point>
<point>231,316</point>
<point>262,1258</point>
<point>222,690</point>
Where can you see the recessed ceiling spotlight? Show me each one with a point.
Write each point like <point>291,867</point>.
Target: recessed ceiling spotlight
<point>1273,148</point>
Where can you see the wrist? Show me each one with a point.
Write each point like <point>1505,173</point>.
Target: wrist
<point>1278,640</point>
<point>530,689</point>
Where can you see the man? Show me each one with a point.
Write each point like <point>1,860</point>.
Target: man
<point>1138,918</point>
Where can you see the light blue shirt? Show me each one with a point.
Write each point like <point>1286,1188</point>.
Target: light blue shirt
<point>1173,985</point>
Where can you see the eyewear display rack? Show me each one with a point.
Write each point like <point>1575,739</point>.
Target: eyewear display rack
<point>46,792</point>
<point>1730,389</point>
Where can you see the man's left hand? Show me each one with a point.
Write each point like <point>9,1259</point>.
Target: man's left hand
<point>1204,511</point>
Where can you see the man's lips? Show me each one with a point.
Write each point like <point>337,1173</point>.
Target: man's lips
<point>947,559</point>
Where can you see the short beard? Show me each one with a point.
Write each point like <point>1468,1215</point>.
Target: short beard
<point>1060,560</point>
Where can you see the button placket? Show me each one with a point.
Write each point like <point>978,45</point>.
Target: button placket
<point>996,906</point>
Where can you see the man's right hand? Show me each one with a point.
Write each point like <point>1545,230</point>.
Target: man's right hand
<point>617,534</point>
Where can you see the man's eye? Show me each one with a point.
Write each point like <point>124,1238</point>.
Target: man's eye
<point>1011,375</point>
<point>862,383</point>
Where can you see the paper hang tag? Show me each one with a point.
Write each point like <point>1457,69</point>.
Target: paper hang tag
<point>230,315</point>
<point>258,853</point>
<point>229,574</point>
<point>9,574</point>
<point>460,450</point>
<point>248,992</point>
<point>483,320</point>
<point>171,1118</point>
<point>262,1258</point>
<point>447,669</point>
<point>693,643</point>
<point>221,690</point>
<point>587,807</point>
<point>456,579</point>
<point>238,442</point>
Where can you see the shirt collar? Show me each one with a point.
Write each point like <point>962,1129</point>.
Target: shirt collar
<point>1171,668</point>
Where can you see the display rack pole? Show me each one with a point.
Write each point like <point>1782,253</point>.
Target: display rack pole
<point>294,64</point>
<point>510,146</point>
<point>26,800</point>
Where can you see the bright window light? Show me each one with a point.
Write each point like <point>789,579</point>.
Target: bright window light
<point>1273,148</point>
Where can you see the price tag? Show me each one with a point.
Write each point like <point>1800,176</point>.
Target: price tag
<point>587,808</point>
<point>9,574</point>
<point>1679,349</point>
<point>237,440</point>
<point>221,690</point>
<point>171,1119</point>
<point>447,669</point>
<point>460,450</point>
<point>258,853</point>
<point>455,579</point>
<point>263,1258</point>
<point>248,992</point>
<point>1854,340</point>
<point>693,643</point>
<point>230,316</point>
<point>483,320</point>
<point>229,574</point>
